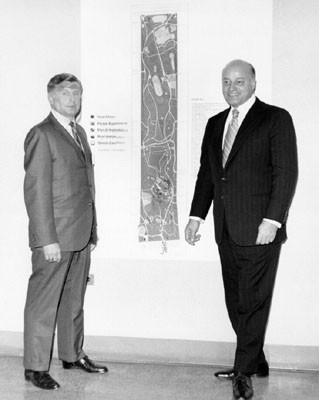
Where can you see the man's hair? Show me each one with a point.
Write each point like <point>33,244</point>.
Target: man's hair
<point>253,71</point>
<point>57,79</point>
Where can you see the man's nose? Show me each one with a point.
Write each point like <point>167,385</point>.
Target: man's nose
<point>72,98</point>
<point>232,86</point>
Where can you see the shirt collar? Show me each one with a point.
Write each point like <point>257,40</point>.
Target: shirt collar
<point>244,108</point>
<point>64,121</point>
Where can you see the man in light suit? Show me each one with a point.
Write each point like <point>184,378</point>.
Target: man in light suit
<point>248,169</point>
<point>59,197</point>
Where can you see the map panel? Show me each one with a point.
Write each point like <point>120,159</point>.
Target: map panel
<point>158,210</point>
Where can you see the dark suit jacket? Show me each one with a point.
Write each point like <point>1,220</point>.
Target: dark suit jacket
<point>58,187</point>
<point>259,178</point>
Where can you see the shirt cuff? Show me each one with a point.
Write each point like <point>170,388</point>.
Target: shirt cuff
<point>197,219</point>
<point>278,224</point>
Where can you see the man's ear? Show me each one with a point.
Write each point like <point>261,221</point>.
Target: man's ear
<point>50,98</point>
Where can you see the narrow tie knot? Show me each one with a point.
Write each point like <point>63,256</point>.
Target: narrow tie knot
<point>73,127</point>
<point>74,131</point>
<point>235,112</point>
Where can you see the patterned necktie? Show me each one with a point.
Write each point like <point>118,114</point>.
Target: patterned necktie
<point>230,135</point>
<point>75,134</point>
<point>76,138</point>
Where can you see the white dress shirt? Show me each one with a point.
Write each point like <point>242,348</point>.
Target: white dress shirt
<point>64,121</point>
<point>242,110</point>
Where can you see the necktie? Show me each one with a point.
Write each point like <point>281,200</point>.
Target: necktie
<point>230,135</point>
<point>75,134</point>
<point>76,137</point>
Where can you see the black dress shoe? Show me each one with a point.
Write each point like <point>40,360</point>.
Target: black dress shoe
<point>41,379</point>
<point>86,364</point>
<point>242,386</point>
<point>262,372</point>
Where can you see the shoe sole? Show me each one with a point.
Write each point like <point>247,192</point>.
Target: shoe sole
<point>85,370</point>
<point>224,376</point>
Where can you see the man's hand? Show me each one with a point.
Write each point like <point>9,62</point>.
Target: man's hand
<point>266,232</point>
<point>191,230</point>
<point>52,252</point>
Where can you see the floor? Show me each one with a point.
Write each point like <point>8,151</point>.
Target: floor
<point>150,382</point>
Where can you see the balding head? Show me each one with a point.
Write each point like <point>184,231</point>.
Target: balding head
<point>238,82</point>
<point>242,64</point>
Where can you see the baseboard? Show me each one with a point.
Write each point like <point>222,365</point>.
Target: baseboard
<point>139,350</point>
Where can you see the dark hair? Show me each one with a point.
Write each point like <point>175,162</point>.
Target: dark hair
<point>57,79</point>
<point>253,72</point>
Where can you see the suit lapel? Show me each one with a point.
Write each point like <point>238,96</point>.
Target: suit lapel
<point>252,119</point>
<point>86,148</point>
<point>65,135</point>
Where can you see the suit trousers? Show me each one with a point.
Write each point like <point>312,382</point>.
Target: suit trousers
<point>249,274</point>
<point>55,297</point>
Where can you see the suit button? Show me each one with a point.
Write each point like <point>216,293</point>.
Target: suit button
<point>90,204</point>
<point>223,179</point>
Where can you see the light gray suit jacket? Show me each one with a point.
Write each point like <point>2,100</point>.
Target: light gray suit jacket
<point>59,187</point>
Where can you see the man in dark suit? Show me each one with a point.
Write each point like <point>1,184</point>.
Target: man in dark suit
<point>59,197</point>
<point>248,169</point>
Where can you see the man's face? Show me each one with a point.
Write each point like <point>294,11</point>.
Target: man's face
<point>238,83</point>
<point>66,99</point>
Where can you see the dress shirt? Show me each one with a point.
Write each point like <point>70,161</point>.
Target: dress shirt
<point>243,110</point>
<point>65,122</point>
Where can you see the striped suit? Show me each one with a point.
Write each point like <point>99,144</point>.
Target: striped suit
<point>258,182</point>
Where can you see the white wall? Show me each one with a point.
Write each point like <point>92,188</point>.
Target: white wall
<point>170,299</point>
<point>294,317</point>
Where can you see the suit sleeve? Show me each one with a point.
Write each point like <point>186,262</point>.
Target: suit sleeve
<point>204,188</point>
<point>284,163</point>
<point>38,189</point>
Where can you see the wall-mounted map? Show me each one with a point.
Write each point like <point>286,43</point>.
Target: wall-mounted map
<point>158,215</point>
